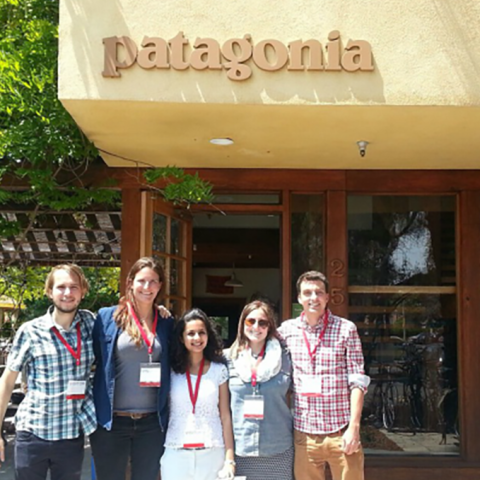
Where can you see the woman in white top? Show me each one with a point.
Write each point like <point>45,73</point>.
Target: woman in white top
<point>199,442</point>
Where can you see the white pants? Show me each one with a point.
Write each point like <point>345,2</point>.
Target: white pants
<point>181,464</point>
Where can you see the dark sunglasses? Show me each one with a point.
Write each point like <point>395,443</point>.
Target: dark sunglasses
<point>252,321</point>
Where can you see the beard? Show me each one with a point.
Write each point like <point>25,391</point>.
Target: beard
<point>71,309</point>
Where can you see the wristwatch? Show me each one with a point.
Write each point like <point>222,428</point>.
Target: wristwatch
<point>230,462</point>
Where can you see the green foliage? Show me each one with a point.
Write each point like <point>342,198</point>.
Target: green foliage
<point>154,174</point>
<point>104,291</point>
<point>22,284</point>
<point>9,228</point>
<point>39,141</point>
<point>5,196</point>
<point>180,187</point>
<point>34,125</point>
<point>42,148</point>
<point>25,286</point>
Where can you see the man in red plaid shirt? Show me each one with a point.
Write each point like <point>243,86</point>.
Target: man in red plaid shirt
<point>329,386</point>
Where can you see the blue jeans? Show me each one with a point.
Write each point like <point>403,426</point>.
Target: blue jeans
<point>140,440</point>
<point>35,456</point>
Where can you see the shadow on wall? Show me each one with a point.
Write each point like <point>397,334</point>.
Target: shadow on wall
<point>299,86</point>
<point>457,41</point>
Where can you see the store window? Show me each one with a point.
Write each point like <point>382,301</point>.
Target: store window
<point>402,297</point>
<point>169,247</point>
<point>307,239</point>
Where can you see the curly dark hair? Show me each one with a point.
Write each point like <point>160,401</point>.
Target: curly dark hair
<point>179,353</point>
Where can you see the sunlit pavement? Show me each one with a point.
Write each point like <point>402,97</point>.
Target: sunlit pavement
<point>425,443</point>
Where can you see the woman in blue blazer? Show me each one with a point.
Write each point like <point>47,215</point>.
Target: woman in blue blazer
<point>132,378</point>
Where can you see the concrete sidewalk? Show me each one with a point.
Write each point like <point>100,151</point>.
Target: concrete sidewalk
<point>7,473</point>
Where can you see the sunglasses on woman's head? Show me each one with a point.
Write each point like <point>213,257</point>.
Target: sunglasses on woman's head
<point>252,321</point>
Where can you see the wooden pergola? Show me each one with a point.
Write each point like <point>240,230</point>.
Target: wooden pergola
<point>88,238</point>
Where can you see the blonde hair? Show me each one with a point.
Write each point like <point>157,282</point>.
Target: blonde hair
<point>70,268</point>
<point>122,316</point>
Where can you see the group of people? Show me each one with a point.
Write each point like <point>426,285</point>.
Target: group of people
<point>279,404</point>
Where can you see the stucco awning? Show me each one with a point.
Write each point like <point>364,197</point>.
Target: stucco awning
<point>314,137</point>
<point>417,102</point>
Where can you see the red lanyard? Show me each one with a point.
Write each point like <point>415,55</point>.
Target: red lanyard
<point>75,354</point>
<point>142,331</point>
<point>254,367</point>
<point>312,353</point>
<point>194,395</point>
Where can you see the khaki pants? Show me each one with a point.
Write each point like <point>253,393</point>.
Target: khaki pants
<point>312,452</point>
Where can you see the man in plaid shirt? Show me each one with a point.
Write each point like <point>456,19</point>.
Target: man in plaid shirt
<point>57,354</point>
<point>329,386</point>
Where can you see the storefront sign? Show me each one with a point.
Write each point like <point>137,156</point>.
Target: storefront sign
<point>207,54</point>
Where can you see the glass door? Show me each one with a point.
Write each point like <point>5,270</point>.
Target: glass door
<point>168,237</point>
<point>318,241</point>
<point>307,239</point>
<point>402,297</point>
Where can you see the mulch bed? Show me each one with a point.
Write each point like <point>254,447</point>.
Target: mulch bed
<point>375,439</point>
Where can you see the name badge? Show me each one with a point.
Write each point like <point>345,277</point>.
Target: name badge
<point>193,439</point>
<point>253,407</point>
<point>76,389</point>
<point>317,385</point>
<point>150,375</point>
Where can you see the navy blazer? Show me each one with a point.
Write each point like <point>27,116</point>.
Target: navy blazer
<point>105,335</point>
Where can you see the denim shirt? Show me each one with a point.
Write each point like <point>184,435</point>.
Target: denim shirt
<point>105,336</point>
<point>272,435</point>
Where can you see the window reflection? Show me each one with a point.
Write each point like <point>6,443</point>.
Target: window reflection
<point>176,239</point>
<point>402,299</point>
<point>402,240</point>
<point>159,240</point>
<point>306,235</point>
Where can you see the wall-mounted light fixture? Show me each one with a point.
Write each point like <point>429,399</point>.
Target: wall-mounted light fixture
<point>362,147</point>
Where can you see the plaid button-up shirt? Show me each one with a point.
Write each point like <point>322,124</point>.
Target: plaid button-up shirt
<point>338,362</point>
<point>49,367</point>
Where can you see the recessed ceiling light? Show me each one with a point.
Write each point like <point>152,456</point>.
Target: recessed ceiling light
<point>222,141</point>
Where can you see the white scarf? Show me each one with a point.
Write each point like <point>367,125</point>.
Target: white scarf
<point>268,367</point>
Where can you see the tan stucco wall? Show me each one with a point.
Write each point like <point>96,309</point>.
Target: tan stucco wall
<point>418,108</point>
<point>427,52</point>
<point>324,137</point>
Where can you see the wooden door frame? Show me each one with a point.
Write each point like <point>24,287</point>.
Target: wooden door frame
<point>336,202</point>
<point>337,185</point>
<point>149,205</point>
<point>281,210</point>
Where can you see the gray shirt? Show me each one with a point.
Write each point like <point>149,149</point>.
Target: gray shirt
<point>129,396</point>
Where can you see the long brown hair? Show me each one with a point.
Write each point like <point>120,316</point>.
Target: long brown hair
<point>121,315</point>
<point>242,341</point>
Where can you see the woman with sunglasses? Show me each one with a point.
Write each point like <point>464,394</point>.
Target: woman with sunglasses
<point>260,383</point>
